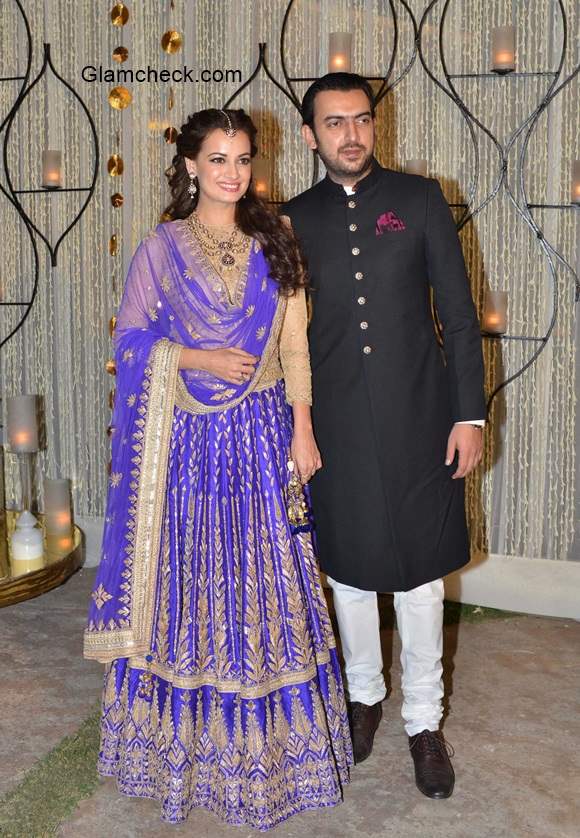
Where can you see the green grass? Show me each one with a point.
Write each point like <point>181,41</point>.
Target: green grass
<point>51,790</point>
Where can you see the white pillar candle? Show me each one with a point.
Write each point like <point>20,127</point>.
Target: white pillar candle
<point>27,545</point>
<point>416,166</point>
<point>576,182</point>
<point>57,507</point>
<point>22,424</point>
<point>494,320</point>
<point>51,169</point>
<point>261,177</point>
<point>503,49</point>
<point>339,52</point>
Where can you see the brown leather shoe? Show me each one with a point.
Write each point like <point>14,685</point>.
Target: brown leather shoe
<point>434,773</point>
<point>364,721</point>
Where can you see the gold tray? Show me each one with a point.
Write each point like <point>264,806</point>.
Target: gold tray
<point>62,557</point>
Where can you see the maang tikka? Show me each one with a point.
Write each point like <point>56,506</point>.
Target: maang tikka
<point>230,130</point>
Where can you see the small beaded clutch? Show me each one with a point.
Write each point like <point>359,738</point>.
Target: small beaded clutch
<point>298,511</point>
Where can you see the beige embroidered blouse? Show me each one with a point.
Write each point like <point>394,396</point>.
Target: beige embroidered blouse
<point>292,359</point>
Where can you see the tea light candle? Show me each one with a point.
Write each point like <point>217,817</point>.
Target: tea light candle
<point>503,49</point>
<point>576,182</point>
<point>494,320</point>
<point>339,52</point>
<point>416,166</point>
<point>261,177</point>
<point>57,507</point>
<point>22,424</point>
<point>52,169</point>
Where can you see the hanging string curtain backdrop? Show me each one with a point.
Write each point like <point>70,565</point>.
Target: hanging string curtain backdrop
<point>521,501</point>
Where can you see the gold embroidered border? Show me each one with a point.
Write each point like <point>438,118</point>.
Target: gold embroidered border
<point>190,682</point>
<point>105,645</point>
<point>185,401</point>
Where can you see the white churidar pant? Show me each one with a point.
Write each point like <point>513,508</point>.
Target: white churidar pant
<point>420,623</point>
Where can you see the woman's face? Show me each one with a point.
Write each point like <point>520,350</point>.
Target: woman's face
<point>222,166</point>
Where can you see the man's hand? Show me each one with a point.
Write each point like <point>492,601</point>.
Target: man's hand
<point>468,441</point>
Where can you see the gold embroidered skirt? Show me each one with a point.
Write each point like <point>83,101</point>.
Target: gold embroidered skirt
<point>238,707</point>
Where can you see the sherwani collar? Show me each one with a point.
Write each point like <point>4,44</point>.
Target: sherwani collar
<point>336,190</point>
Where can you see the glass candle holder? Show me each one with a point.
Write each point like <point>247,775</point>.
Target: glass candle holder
<point>503,49</point>
<point>57,507</point>
<point>340,52</point>
<point>261,177</point>
<point>576,182</point>
<point>22,424</point>
<point>494,320</point>
<point>51,169</point>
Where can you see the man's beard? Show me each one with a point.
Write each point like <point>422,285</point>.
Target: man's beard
<point>334,168</point>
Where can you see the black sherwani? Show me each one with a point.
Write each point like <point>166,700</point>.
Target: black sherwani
<point>388,515</point>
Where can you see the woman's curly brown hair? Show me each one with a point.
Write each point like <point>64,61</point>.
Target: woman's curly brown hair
<point>253,216</point>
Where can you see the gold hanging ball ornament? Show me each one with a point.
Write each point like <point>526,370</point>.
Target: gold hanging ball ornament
<point>117,199</point>
<point>112,324</point>
<point>120,98</point>
<point>170,134</point>
<point>171,41</point>
<point>119,14</point>
<point>120,54</point>
<point>113,244</point>
<point>115,165</point>
<point>170,100</point>
<point>111,367</point>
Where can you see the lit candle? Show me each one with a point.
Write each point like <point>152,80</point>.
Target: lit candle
<point>22,424</point>
<point>416,166</point>
<point>27,546</point>
<point>59,545</point>
<point>494,320</point>
<point>51,169</point>
<point>261,177</point>
<point>576,182</point>
<point>339,52</point>
<point>57,507</point>
<point>503,49</point>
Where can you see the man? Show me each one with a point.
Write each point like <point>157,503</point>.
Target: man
<point>399,426</point>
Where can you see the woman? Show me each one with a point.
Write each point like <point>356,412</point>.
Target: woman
<point>222,685</point>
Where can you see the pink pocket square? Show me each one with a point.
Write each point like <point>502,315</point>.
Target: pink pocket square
<point>388,222</point>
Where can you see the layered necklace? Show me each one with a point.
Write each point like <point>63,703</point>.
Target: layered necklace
<point>216,246</point>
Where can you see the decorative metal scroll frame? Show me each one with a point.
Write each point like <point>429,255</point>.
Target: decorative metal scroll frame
<point>47,62</point>
<point>289,90</point>
<point>472,122</point>
<point>522,206</point>
<point>12,193</point>
<point>24,79</point>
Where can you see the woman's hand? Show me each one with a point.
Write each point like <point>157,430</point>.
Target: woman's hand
<point>232,365</point>
<point>305,454</point>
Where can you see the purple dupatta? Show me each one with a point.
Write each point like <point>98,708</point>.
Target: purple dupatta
<point>172,298</point>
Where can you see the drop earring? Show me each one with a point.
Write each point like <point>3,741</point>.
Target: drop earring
<point>192,188</point>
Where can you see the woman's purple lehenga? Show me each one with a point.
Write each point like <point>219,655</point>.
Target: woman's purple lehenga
<point>222,683</point>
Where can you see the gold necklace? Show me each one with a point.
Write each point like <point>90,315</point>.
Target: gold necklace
<point>213,245</point>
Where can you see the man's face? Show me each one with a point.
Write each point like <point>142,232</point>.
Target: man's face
<point>344,132</point>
